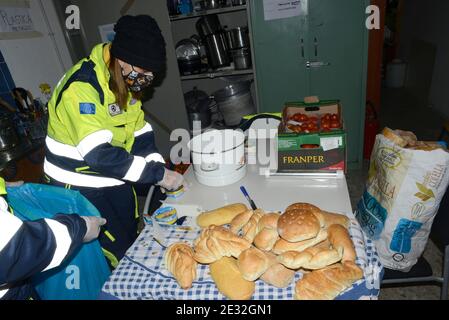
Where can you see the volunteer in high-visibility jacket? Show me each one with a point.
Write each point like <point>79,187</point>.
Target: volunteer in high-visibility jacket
<point>30,247</point>
<point>98,140</point>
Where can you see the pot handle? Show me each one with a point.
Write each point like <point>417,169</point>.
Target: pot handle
<point>245,125</point>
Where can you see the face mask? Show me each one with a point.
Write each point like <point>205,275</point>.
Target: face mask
<point>137,81</point>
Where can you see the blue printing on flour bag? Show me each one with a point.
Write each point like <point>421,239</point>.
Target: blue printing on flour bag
<point>371,216</point>
<point>402,238</point>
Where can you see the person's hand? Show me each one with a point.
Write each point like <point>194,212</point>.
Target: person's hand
<point>93,225</point>
<point>14,184</point>
<point>172,180</point>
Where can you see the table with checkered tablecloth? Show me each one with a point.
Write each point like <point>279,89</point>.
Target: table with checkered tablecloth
<point>141,274</point>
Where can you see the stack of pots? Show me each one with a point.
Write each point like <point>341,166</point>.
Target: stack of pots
<point>213,35</point>
<point>234,102</point>
<point>239,45</point>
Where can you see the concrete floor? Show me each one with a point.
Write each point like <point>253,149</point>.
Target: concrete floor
<point>399,111</point>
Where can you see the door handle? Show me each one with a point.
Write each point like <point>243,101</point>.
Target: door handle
<point>316,46</point>
<point>317,64</point>
<point>302,48</point>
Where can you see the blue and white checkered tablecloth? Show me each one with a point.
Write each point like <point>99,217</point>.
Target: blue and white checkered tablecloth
<point>141,274</point>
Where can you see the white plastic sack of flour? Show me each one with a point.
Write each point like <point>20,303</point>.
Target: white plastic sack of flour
<point>402,196</point>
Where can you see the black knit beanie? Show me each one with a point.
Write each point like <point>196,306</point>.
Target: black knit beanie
<point>139,42</point>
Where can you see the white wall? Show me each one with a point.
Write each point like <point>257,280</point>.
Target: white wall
<point>36,60</point>
<point>427,21</point>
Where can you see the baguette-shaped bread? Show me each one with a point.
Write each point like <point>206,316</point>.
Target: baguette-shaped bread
<point>312,258</point>
<point>217,242</point>
<point>240,220</point>
<point>251,229</point>
<point>180,262</point>
<point>331,218</point>
<point>328,283</point>
<point>266,239</point>
<point>253,263</point>
<point>341,240</point>
<point>278,276</point>
<point>282,246</point>
<point>220,216</point>
<point>229,280</point>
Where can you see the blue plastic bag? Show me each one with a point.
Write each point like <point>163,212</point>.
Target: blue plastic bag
<point>82,276</point>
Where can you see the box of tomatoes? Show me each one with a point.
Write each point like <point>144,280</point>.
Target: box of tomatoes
<point>312,137</point>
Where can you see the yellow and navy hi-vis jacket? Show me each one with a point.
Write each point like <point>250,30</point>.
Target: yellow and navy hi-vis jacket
<point>91,142</point>
<point>30,247</point>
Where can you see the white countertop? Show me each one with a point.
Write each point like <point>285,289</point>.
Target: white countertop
<point>274,193</point>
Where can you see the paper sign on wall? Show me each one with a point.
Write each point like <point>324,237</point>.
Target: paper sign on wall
<point>16,21</point>
<point>281,9</point>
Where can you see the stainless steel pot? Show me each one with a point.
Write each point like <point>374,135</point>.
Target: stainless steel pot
<point>8,135</point>
<point>238,38</point>
<point>212,4</point>
<point>217,50</point>
<point>234,102</point>
<point>208,24</point>
<point>241,58</point>
<point>199,106</point>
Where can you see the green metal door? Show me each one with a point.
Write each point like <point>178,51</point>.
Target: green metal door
<point>280,48</point>
<point>338,46</point>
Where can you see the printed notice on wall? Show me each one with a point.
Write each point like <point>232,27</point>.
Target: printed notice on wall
<point>281,9</point>
<point>16,21</point>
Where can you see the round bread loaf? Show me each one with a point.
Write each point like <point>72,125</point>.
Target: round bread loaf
<point>298,225</point>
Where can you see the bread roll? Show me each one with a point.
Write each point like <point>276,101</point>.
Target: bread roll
<point>283,246</point>
<point>341,240</point>
<point>331,218</point>
<point>312,258</point>
<point>240,220</point>
<point>217,242</point>
<point>328,283</point>
<point>308,207</point>
<point>220,216</point>
<point>394,137</point>
<point>266,239</point>
<point>278,276</point>
<point>253,263</point>
<point>269,220</point>
<point>229,280</point>
<point>251,229</point>
<point>408,136</point>
<point>298,225</point>
<point>180,262</point>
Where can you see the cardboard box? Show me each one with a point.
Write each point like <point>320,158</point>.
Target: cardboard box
<point>318,151</point>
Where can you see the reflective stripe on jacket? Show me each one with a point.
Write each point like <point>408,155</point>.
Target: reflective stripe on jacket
<point>91,142</point>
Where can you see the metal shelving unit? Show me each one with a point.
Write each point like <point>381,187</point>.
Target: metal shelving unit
<point>217,74</point>
<point>206,12</point>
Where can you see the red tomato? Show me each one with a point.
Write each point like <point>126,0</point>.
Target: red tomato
<point>303,118</point>
<point>309,146</point>
<point>335,117</point>
<point>325,125</point>
<point>311,125</point>
<point>313,119</point>
<point>335,124</point>
<point>326,117</point>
